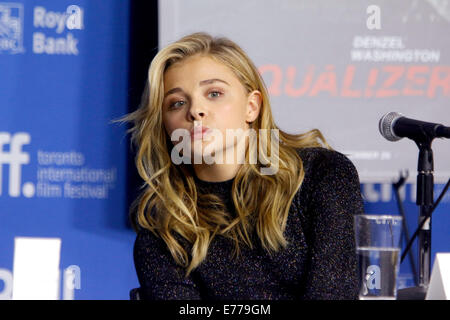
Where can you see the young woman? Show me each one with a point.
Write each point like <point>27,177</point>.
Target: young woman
<point>275,222</point>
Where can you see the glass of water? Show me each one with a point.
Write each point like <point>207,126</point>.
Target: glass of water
<point>378,248</point>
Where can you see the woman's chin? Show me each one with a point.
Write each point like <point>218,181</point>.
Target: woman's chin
<point>207,155</point>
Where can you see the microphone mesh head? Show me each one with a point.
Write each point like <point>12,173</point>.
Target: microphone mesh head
<point>386,125</point>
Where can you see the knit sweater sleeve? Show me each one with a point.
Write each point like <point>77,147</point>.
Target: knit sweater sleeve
<point>159,276</point>
<point>335,198</point>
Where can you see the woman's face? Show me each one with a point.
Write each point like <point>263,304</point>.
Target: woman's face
<point>200,90</point>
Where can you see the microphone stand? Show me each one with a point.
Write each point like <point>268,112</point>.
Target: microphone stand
<point>397,185</point>
<point>424,199</point>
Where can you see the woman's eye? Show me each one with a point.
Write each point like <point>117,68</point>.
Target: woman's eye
<point>177,104</point>
<point>214,94</point>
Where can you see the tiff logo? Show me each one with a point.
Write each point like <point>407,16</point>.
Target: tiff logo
<point>15,158</point>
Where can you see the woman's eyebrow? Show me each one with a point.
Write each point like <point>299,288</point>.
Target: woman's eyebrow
<point>209,81</point>
<point>201,83</point>
<point>173,90</point>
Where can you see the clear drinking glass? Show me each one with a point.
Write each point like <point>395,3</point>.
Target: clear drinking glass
<point>378,248</point>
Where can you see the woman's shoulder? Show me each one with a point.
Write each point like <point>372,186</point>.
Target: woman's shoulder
<point>149,247</point>
<point>325,166</point>
<point>330,179</point>
<point>317,156</point>
<point>146,239</point>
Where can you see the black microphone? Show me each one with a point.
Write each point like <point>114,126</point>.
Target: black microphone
<point>394,126</point>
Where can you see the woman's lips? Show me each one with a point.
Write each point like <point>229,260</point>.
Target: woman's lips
<point>199,132</point>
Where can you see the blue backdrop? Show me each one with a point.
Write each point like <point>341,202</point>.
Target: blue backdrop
<point>63,77</point>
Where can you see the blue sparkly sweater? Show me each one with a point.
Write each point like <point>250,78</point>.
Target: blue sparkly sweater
<point>318,263</point>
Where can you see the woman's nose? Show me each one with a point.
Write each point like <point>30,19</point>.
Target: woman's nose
<point>196,112</point>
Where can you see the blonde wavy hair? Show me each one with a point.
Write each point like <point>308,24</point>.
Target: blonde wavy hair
<point>169,204</point>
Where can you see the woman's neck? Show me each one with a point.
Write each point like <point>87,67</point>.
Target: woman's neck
<point>216,172</point>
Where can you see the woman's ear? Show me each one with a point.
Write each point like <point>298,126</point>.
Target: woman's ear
<point>253,106</point>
